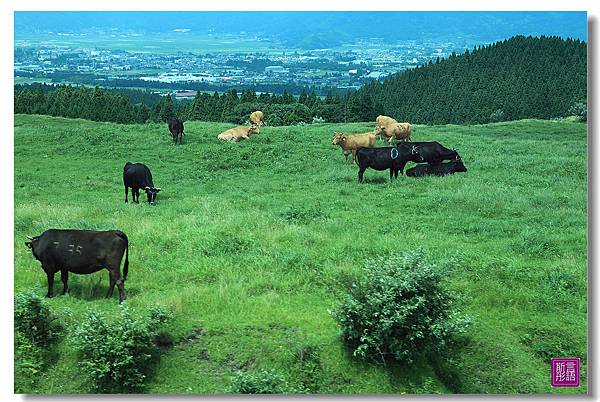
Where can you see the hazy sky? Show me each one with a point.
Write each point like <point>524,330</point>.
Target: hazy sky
<point>291,25</point>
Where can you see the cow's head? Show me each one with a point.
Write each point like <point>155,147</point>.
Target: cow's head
<point>151,193</point>
<point>32,244</point>
<point>378,130</point>
<point>338,138</point>
<point>458,165</point>
<point>253,129</point>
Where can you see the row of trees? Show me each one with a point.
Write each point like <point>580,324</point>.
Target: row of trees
<point>522,77</point>
<point>103,105</point>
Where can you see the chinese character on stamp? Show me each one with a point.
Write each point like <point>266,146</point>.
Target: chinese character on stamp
<point>565,372</point>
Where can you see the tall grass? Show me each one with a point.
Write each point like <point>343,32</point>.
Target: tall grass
<point>252,243</point>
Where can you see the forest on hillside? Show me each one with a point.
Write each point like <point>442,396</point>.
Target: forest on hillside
<point>521,77</point>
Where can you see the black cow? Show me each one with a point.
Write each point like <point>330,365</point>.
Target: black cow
<point>393,158</point>
<point>437,169</point>
<point>136,176</point>
<point>82,252</point>
<point>176,129</point>
<point>431,152</point>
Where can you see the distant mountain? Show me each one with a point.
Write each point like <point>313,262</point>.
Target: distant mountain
<point>310,29</point>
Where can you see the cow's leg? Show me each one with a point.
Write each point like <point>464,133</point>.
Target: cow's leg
<point>361,173</point>
<point>136,195</point>
<point>50,276</point>
<point>391,174</point>
<point>126,191</point>
<point>111,284</point>
<point>120,283</point>
<point>64,276</point>
<point>401,168</point>
<point>354,156</point>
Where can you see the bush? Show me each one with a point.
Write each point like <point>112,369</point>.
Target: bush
<point>261,382</point>
<point>497,116</point>
<point>579,109</point>
<point>34,319</point>
<point>399,309</point>
<point>117,355</point>
<point>29,361</point>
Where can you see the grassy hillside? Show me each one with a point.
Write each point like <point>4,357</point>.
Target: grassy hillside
<point>251,243</point>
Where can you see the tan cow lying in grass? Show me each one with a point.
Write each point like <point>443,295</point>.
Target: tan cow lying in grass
<point>257,118</point>
<point>238,134</point>
<point>389,129</point>
<point>351,142</point>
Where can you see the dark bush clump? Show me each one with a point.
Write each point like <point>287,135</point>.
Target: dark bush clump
<point>36,331</point>
<point>29,361</point>
<point>399,309</point>
<point>579,109</point>
<point>117,355</point>
<point>34,319</point>
<point>261,382</point>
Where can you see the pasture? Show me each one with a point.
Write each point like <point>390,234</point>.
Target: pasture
<point>252,243</point>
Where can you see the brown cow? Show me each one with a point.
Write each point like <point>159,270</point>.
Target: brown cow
<point>389,129</point>
<point>351,142</point>
<point>238,134</point>
<point>257,118</point>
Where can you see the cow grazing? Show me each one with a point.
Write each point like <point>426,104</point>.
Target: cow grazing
<point>432,152</point>
<point>437,169</point>
<point>136,176</point>
<point>257,118</point>
<point>351,142</point>
<point>176,129</point>
<point>389,129</point>
<point>82,252</point>
<point>393,158</point>
<point>238,134</point>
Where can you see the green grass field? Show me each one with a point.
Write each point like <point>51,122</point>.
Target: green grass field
<point>252,243</point>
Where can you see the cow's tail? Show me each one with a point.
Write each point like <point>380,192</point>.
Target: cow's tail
<point>126,265</point>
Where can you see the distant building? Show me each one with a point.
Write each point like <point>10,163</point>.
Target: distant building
<point>185,94</point>
<point>376,74</point>
<point>276,70</point>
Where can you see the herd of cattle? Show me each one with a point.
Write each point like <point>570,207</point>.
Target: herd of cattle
<point>395,158</point>
<point>88,251</point>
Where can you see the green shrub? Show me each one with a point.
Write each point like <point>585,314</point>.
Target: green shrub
<point>497,116</point>
<point>34,319</point>
<point>399,309</point>
<point>29,362</point>
<point>117,355</point>
<point>260,382</point>
<point>309,367</point>
<point>579,109</point>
